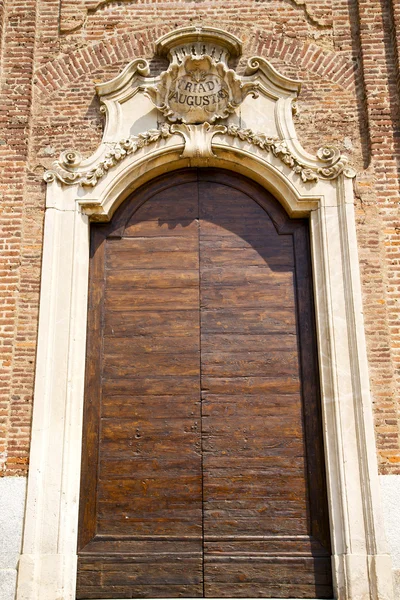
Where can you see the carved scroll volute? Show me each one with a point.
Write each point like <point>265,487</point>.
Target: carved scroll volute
<point>198,138</point>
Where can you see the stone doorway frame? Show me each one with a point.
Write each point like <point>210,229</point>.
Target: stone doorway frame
<point>81,191</point>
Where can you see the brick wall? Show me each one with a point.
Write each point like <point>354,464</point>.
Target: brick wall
<point>52,52</point>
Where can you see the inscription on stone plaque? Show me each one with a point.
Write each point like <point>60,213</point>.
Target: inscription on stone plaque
<point>199,89</point>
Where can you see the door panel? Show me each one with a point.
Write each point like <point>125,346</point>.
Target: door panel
<point>143,536</point>
<point>255,492</point>
<point>202,469</point>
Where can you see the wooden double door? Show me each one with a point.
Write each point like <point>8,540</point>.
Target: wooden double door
<point>202,470</point>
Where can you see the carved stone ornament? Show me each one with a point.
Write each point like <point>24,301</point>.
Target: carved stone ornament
<point>196,90</point>
<point>200,89</point>
<point>116,152</point>
<point>198,144</point>
<point>334,162</point>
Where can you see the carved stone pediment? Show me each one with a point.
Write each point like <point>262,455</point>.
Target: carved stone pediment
<point>200,89</point>
<point>198,107</point>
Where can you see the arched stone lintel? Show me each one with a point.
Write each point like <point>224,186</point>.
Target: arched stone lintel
<point>139,170</point>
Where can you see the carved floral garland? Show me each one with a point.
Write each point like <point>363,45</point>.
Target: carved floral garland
<point>335,164</point>
<point>117,152</point>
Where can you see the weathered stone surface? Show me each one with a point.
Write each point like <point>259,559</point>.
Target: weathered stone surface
<point>12,504</point>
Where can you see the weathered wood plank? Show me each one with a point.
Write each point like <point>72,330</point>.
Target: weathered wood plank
<point>171,204</point>
<point>246,296</point>
<point>149,446</point>
<point>247,364</point>
<point>250,385</point>
<point>139,226</point>
<point>249,232</point>
<point>273,547</point>
<point>135,547</point>
<point>153,278</point>
<point>239,275</point>
<point>142,344</point>
<point>154,323</point>
<point>266,257</point>
<point>153,386</point>
<point>139,364</point>
<point>226,570</point>
<point>139,246</point>
<point>121,429</point>
<point>248,590</point>
<point>142,467</point>
<point>141,408</point>
<point>127,259</point>
<point>279,408</point>
<point>247,284</point>
<point>151,299</point>
<point>249,320</point>
<point>141,591</point>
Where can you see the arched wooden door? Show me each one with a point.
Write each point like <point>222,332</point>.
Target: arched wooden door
<point>203,470</point>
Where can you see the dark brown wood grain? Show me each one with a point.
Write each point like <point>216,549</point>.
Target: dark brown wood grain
<point>202,468</point>
<point>147,394</point>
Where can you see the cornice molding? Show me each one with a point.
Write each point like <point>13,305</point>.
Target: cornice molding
<point>170,44</point>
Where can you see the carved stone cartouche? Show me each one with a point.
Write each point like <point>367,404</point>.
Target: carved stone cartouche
<point>200,89</point>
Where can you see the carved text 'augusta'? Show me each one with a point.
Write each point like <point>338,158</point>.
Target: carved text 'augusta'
<point>199,90</point>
